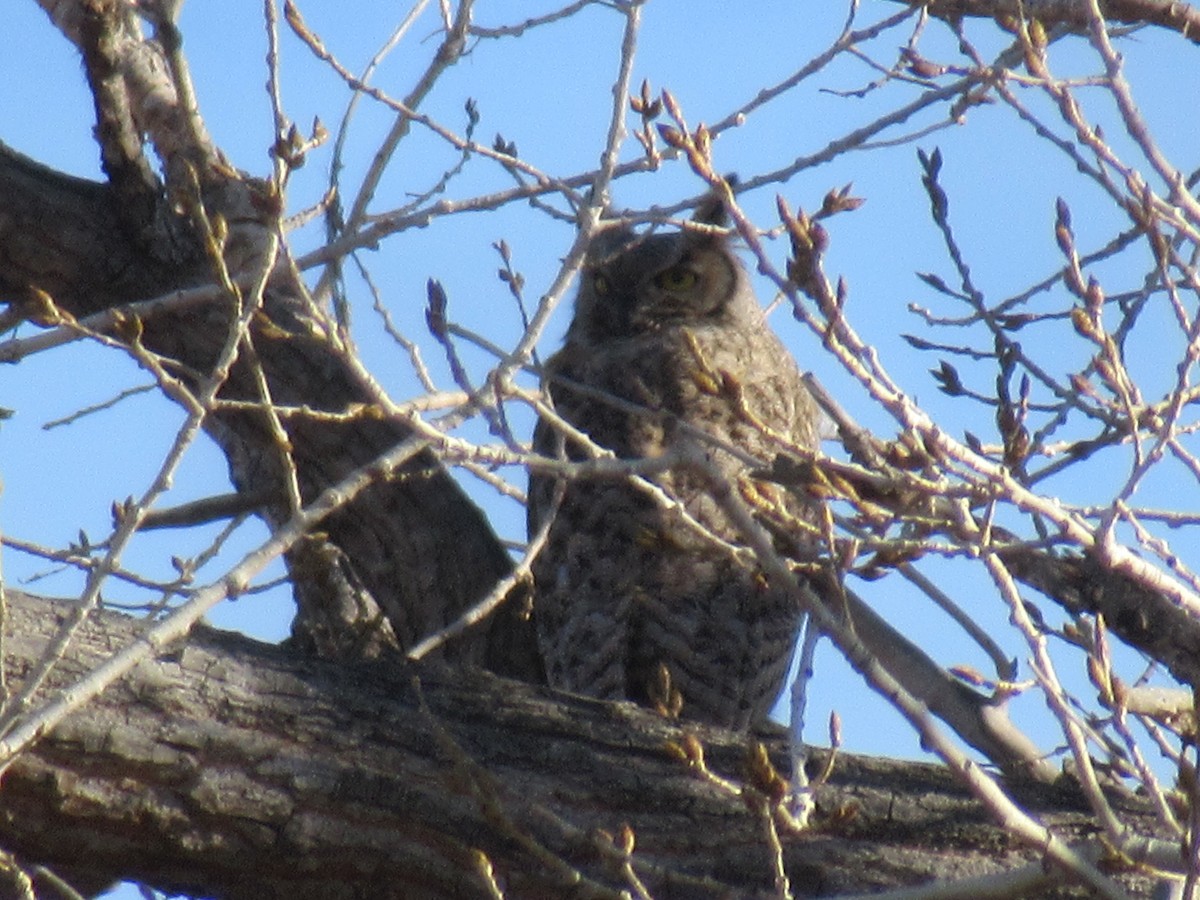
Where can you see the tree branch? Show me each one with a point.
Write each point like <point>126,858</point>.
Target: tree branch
<point>233,769</point>
<point>1075,14</point>
<point>418,546</point>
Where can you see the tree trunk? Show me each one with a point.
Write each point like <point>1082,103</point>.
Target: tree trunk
<point>412,545</point>
<point>234,769</point>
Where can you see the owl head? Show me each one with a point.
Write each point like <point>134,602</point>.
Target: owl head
<point>637,284</point>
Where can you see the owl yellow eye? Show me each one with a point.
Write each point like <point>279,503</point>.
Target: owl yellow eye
<point>600,285</point>
<point>677,278</point>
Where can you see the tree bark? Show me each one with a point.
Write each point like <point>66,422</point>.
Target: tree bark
<point>1075,14</point>
<point>234,769</point>
<point>412,545</point>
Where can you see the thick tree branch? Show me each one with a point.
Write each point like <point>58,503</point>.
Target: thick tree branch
<point>419,548</point>
<point>1075,14</point>
<point>412,548</point>
<point>234,769</point>
<point>1142,617</point>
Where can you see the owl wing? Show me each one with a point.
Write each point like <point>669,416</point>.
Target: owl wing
<point>581,610</point>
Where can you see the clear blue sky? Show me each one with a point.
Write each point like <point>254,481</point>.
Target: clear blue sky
<point>550,93</point>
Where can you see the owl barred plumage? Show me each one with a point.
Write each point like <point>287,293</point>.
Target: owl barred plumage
<point>626,590</point>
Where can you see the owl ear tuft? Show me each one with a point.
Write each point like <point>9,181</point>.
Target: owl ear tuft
<point>608,243</point>
<point>712,208</point>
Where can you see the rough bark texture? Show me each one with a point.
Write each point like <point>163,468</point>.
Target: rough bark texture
<point>66,237</point>
<point>1075,14</point>
<point>233,769</point>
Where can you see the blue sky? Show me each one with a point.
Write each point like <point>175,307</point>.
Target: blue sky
<point>550,93</point>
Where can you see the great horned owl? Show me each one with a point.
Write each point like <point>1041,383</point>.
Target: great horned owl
<point>668,344</point>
